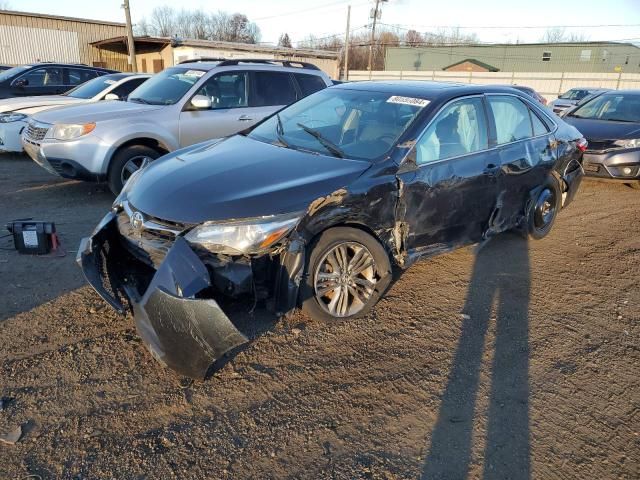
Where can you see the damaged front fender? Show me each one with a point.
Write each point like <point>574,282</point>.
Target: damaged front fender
<point>182,331</point>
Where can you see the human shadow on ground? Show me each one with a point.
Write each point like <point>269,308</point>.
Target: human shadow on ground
<point>501,276</point>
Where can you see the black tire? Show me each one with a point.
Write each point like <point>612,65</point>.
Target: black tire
<point>543,210</point>
<point>634,185</point>
<point>122,159</point>
<point>359,248</point>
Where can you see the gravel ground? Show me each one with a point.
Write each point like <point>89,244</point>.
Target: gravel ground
<point>515,360</point>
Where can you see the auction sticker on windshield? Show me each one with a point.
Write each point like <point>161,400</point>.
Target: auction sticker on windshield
<point>194,73</point>
<point>416,102</point>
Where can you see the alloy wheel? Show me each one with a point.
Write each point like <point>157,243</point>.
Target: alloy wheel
<point>345,279</point>
<point>132,165</point>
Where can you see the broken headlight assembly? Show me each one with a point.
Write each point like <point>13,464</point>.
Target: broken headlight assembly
<point>243,237</point>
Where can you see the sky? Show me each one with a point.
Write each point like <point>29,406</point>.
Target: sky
<point>492,20</point>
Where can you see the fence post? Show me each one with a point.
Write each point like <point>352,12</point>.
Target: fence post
<point>560,90</point>
<point>619,78</point>
<point>400,74</point>
<point>433,75</point>
<point>470,75</point>
<point>513,77</point>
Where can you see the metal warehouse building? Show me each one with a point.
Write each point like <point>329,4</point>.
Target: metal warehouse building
<point>596,57</point>
<point>31,37</point>
<point>155,53</point>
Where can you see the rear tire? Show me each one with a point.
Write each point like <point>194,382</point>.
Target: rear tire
<point>346,272</point>
<point>544,210</point>
<point>125,162</point>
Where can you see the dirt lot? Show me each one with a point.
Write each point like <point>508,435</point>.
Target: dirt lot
<point>517,360</point>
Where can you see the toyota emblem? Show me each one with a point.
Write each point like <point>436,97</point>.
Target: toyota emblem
<point>137,222</point>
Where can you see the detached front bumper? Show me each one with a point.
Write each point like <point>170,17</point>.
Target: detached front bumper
<point>181,330</point>
<point>618,165</point>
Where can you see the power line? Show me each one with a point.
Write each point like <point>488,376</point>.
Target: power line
<point>335,5</point>
<point>482,27</point>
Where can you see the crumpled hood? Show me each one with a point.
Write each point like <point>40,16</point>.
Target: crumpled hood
<point>18,104</point>
<point>237,178</point>
<point>604,129</point>
<point>95,112</point>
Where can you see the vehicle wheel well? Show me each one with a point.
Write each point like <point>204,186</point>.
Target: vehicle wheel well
<point>147,142</point>
<point>358,226</point>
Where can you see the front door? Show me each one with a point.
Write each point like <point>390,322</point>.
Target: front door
<point>229,112</point>
<point>450,196</point>
<point>40,81</point>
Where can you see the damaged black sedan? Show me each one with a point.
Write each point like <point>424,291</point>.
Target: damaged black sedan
<point>315,206</point>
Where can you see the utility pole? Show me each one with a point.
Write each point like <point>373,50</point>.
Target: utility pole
<point>130,41</point>
<point>346,45</point>
<point>376,13</point>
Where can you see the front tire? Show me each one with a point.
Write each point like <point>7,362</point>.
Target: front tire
<point>125,162</point>
<point>347,270</point>
<point>544,210</point>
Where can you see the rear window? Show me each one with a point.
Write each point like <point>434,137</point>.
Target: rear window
<point>309,83</point>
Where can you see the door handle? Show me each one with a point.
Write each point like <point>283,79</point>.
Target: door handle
<point>244,118</point>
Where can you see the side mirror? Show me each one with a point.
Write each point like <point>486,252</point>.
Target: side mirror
<point>21,82</point>
<point>111,96</point>
<point>201,102</point>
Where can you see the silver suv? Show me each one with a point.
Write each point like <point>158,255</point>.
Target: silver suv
<point>182,105</point>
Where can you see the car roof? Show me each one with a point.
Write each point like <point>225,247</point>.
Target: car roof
<point>425,89</point>
<point>247,64</point>
<point>624,92</point>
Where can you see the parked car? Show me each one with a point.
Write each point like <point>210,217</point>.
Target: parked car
<point>572,97</point>
<point>177,107</point>
<point>4,67</point>
<point>45,78</point>
<point>611,124</point>
<point>316,204</point>
<point>531,92</point>
<point>15,112</point>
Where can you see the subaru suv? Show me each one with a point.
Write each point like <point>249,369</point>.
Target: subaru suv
<point>180,106</point>
<point>317,204</point>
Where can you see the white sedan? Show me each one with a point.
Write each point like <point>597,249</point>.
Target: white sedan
<point>15,112</point>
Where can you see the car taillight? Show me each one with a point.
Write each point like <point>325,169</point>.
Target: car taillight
<point>582,144</point>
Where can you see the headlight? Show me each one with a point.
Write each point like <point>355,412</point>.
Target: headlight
<point>11,117</point>
<point>629,143</point>
<point>69,131</point>
<point>243,236</point>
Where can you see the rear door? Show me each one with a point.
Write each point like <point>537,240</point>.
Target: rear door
<point>229,95</point>
<point>270,91</point>
<point>526,148</point>
<point>451,195</point>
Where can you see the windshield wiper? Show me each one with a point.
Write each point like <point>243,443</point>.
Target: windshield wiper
<point>328,144</point>
<point>280,132</point>
<point>139,100</point>
<point>619,120</point>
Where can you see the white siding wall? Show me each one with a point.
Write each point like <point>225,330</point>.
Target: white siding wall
<point>25,45</point>
<point>548,84</point>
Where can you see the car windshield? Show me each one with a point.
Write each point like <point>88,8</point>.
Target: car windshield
<point>574,95</point>
<point>615,107</point>
<point>342,122</point>
<point>166,87</point>
<point>93,87</point>
<point>12,72</point>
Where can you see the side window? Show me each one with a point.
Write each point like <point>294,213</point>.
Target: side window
<point>309,83</point>
<point>539,128</point>
<point>511,118</point>
<point>79,75</point>
<point>272,88</point>
<point>459,129</point>
<point>123,91</point>
<point>226,90</point>
<point>44,77</point>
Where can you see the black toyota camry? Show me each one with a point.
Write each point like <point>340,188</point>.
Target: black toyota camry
<point>316,205</point>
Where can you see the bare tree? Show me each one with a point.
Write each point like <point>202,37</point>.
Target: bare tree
<point>163,21</point>
<point>413,38</point>
<point>284,41</point>
<point>142,27</point>
<point>559,34</point>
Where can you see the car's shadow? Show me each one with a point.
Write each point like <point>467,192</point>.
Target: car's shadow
<point>500,277</point>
